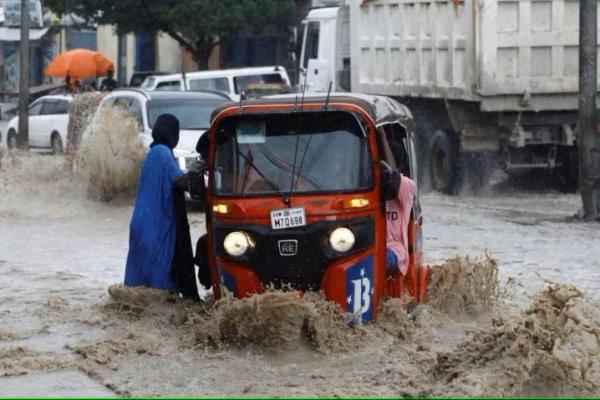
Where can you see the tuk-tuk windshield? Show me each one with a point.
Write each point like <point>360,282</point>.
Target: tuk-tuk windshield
<point>306,152</point>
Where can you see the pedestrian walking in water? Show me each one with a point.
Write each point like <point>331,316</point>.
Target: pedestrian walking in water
<point>160,247</point>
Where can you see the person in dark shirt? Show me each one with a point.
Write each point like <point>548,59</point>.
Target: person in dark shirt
<point>109,83</point>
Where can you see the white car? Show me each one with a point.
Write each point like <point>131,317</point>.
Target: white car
<point>193,109</point>
<point>48,122</point>
<point>234,82</point>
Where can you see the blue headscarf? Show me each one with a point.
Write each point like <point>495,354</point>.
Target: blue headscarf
<point>152,232</point>
<point>165,131</point>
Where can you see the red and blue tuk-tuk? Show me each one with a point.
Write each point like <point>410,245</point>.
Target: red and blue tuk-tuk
<point>296,197</point>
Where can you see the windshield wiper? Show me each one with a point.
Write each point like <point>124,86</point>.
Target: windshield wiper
<point>273,185</point>
<point>283,164</point>
<point>301,164</point>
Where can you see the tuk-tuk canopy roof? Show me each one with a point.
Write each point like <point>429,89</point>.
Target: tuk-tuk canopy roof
<point>381,109</point>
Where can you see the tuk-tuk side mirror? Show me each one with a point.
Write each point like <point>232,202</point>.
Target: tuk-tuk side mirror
<point>390,182</point>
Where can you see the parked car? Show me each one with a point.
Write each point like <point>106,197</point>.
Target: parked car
<point>48,122</point>
<point>193,109</point>
<point>234,82</point>
<point>138,77</point>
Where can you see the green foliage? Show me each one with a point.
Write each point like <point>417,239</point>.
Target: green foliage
<point>58,6</point>
<point>196,24</point>
<point>196,18</point>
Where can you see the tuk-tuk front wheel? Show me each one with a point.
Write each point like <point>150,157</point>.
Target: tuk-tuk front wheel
<point>444,165</point>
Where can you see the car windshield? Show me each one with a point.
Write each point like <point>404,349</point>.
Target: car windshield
<point>323,151</point>
<point>210,84</point>
<point>191,113</point>
<point>241,82</point>
<point>148,82</point>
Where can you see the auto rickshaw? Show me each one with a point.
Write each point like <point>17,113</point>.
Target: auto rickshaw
<point>296,197</point>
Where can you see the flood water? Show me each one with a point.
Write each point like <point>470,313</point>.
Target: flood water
<point>534,330</point>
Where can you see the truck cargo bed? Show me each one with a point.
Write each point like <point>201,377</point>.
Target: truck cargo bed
<point>506,54</point>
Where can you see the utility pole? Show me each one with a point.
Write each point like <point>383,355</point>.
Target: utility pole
<point>24,77</point>
<point>588,127</point>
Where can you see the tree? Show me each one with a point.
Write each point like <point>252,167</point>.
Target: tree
<point>197,25</point>
<point>588,126</point>
<point>23,138</point>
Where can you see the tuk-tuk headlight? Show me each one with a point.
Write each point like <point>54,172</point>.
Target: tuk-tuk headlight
<point>237,243</point>
<point>342,239</point>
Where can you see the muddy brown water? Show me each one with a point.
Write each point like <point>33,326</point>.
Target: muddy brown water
<point>286,343</point>
<point>62,309</point>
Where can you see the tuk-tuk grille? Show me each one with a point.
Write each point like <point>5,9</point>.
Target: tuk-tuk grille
<point>304,270</point>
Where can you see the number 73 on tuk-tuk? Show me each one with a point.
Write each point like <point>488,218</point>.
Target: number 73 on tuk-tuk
<point>296,197</point>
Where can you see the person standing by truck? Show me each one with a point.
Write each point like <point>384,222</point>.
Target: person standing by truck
<point>160,250</point>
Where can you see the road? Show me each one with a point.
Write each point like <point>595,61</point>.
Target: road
<point>60,251</point>
<point>3,125</point>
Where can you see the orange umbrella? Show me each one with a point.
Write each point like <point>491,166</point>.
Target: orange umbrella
<point>79,64</point>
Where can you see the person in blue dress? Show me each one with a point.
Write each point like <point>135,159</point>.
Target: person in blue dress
<point>160,250</point>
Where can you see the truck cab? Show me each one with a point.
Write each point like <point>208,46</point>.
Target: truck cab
<point>325,55</point>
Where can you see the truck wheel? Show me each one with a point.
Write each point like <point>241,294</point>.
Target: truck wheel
<point>444,163</point>
<point>11,140</point>
<point>566,178</point>
<point>56,143</point>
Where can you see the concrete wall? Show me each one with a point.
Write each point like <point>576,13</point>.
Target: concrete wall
<point>60,40</point>
<point>107,43</point>
<point>168,52</point>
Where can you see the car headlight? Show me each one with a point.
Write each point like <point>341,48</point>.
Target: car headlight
<point>341,239</point>
<point>237,243</point>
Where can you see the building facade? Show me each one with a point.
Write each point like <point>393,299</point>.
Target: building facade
<point>42,47</point>
<point>138,52</point>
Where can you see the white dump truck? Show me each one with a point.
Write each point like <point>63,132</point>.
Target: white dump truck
<point>491,82</point>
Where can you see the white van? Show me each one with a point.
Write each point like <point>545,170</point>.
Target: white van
<point>231,81</point>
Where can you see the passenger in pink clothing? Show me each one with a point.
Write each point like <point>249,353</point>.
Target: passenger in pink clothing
<point>398,217</point>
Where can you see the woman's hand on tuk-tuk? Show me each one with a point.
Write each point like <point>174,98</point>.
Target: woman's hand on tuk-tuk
<point>181,182</point>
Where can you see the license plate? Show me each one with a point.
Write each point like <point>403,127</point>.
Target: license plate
<point>288,218</point>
